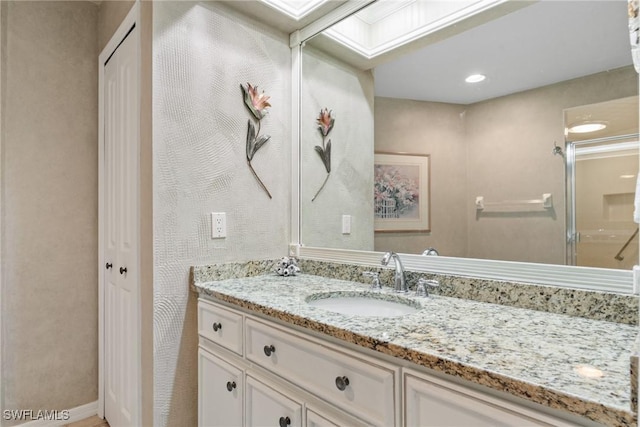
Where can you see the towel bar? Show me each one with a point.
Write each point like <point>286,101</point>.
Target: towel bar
<point>546,202</point>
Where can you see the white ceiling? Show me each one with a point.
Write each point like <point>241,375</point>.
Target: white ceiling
<point>545,43</point>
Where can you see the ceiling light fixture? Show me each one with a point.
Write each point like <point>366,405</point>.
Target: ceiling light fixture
<point>475,78</point>
<point>586,127</point>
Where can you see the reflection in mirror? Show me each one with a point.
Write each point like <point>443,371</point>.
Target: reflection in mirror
<point>348,93</point>
<point>494,139</point>
<point>602,160</point>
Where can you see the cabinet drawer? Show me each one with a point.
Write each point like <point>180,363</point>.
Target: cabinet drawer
<point>220,325</point>
<point>359,386</point>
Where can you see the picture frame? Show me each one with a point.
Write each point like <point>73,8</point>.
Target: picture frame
<point>402,192</point>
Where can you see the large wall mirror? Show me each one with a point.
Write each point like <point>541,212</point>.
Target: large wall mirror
<point>393,78</point>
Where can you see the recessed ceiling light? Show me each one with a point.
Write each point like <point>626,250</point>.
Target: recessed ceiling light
<point>475,78</point>
<point>586,127</point>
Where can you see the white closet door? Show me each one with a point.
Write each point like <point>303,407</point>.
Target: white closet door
<point>121,118</point>
<point>110,235</point>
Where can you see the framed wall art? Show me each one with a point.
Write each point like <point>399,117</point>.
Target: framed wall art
<point>401,192</point>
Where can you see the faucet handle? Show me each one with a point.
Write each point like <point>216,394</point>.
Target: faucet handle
<point>422,290</point>
<point>375,279</point>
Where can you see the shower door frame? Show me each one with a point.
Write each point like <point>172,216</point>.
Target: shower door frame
<point>572,235</point>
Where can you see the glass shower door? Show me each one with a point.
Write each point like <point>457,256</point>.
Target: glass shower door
<point>604,180</point>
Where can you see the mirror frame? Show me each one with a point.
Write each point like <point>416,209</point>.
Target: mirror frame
<point>585,278</point>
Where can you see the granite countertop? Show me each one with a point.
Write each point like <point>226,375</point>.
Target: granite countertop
<point>531,354</point>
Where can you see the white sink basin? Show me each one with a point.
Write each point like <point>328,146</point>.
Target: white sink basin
<point>364,304</point>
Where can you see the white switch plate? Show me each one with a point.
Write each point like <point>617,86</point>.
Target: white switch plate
<point>346,224</point>
<point>218,225</point>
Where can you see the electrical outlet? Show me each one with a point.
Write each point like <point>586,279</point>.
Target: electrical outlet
<point>218,225</point>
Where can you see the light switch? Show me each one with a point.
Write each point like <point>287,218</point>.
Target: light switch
<point>346,224</point>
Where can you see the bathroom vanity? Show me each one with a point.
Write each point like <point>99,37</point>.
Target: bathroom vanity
<point>269,356</point>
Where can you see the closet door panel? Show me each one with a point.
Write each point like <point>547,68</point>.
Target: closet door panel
<point>121,156</point>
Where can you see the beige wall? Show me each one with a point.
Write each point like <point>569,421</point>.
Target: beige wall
<point>404,126</point>
<point>509,157</point>
<point>49,199</point>
<point>50,139</point>
<point>499,149</point>
<point>112,13</point>
<point>348,93</point>
<point>202,52</point>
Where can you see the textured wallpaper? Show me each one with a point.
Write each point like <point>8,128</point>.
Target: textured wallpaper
<point>201,54</point>
<point>348,92</point>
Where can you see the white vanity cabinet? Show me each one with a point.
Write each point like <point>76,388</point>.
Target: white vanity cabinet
<point>256,372</point>
<point>430,401</point>
<point>240,383</point>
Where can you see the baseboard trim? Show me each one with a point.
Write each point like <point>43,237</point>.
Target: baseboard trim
<point>75,414</point>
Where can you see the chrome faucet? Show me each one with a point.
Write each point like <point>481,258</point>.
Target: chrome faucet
<point>400,280</point>
<point>422,288</point>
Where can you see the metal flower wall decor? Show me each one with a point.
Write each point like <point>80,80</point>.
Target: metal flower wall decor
<point>257,103</point>
<point>325,124</point>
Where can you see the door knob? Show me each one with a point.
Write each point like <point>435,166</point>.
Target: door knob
<point>231,385</point>
<point>284,421</point>
<point>108,266</point>
<point>217,326</point>
<point>123,270</point>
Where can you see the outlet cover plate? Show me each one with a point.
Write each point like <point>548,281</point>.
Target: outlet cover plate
<point>218,225</point>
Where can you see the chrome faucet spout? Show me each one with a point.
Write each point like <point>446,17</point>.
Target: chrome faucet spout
<point>400,280</point>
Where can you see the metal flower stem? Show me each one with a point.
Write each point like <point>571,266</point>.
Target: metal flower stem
<point>321,187</point>
<point>253,170</point>
<point>328,173</point>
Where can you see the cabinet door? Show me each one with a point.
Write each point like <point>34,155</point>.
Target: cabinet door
<point>219,392</point>
<point>316,420</point>
<point>268,407</point>
<point>437,403</point>
<point>335,418</point>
